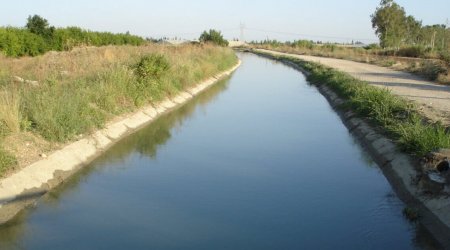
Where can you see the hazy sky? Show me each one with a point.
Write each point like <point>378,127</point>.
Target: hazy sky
<point>341,20</point>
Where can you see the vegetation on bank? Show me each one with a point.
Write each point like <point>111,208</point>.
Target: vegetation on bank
<point>38,37</point>
<point>398,117</point>
<point>62,96</point>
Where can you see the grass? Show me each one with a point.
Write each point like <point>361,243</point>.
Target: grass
<point>9,111</point>
<point>396,116</point>
<point>79,91</point>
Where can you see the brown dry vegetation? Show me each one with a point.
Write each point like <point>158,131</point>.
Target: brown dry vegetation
<point>64,95</point>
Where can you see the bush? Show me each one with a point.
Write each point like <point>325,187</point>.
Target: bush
<point>213,36</point>
<point>152,66</point>
<point>372,46</point>
<point>413,51</point>
<point>445,56</point>
<point>432,70</point>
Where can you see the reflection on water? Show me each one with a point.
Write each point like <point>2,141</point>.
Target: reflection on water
<point>259,161</point>
<point>145,141</point>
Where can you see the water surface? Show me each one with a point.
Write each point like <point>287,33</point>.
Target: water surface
<point>259,161</point>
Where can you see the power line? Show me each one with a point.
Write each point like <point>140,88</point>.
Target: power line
<point>309,35</point>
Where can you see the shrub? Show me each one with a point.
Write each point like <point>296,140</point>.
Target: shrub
<point>372,46</point>
<point>413,51</point>
<point>213,36</point>
<point>445,56</point>
<point>152,66</point>
<point>431,70</point>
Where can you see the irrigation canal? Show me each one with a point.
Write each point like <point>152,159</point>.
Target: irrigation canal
<point>258,161</point>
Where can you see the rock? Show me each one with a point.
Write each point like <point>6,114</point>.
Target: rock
<point>43,155</point>
<point>18,79</point>
<point>435,171</point>
<point>436,159</point>
<point>32,83</point>
<point>432,183</point>
<point>443,166</point>
<point>21,80</point>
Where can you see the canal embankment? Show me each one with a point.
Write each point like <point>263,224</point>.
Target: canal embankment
<point>393,132</point>
<point>23,187</point>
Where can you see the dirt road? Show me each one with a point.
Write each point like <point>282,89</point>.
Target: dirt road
<point>433,99</point>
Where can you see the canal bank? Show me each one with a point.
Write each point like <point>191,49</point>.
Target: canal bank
<point>23,188</point>
<point>399,168</point>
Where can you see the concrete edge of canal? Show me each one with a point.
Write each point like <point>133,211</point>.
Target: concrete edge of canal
<point>24,188</point>
<point>398,168</point>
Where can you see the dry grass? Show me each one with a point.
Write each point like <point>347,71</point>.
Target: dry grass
<point>9,111</point>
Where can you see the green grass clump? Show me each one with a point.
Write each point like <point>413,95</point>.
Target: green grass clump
<point>398,117</point>
<point>6,161</point>
<point>59,113</point>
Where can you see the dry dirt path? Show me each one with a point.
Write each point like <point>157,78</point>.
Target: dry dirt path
<point>433,99</point>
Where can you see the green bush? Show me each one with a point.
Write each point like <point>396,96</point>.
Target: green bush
<point>213,36</point>
<point>152,66</point>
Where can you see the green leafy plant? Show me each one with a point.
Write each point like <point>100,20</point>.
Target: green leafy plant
<point>152,66</point>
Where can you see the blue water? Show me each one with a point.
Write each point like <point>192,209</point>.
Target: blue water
<point>259,161</point>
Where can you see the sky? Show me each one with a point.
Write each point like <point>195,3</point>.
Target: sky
<point>325,20</point>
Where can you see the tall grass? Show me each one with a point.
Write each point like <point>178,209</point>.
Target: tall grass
<point>81,90</point>
<point>398,117</point>
<point>9,111</point>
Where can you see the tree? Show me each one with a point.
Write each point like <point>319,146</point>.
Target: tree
<point>389,22</point>
<point>213,36</point>
<point>412,30</point>
<point>39,26</point>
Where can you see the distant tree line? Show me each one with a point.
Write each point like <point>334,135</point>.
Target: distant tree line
<point>38,37</point>
<point>395,29</point>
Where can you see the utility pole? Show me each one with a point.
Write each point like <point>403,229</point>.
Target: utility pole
<point>242,27</point>
<point>444,37</point>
